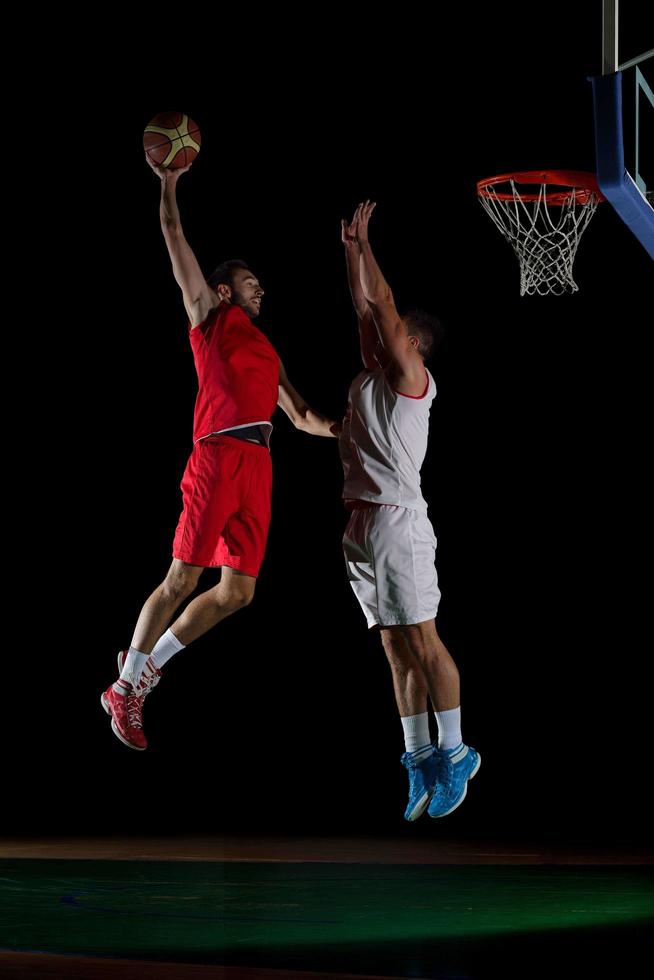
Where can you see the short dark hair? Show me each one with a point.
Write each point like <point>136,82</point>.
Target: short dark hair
<point>427,328</point>
<point>222,274</point>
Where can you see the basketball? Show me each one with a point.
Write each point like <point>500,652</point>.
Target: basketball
<point>172,140</point>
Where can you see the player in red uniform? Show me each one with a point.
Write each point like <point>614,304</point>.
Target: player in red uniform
<point>226,485</point>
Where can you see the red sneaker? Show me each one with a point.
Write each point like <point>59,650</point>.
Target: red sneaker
<point>125,710</point>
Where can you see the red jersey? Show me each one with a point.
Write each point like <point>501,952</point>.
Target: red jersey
<point>238,372</point>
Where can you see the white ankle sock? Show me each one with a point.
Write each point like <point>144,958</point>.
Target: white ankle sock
<point>416,732</point>
<point>165,648</point>
<point>133,667</point>
<point>449,728</point>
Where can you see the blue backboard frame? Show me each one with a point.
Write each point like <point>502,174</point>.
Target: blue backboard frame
<point>627,196</point>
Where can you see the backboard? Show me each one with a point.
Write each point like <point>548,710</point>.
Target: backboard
<point>623,97</point>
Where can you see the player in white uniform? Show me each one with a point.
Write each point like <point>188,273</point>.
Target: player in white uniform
<point>389,542</point>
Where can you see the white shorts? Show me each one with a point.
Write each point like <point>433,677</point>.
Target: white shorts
<point>390,555</point>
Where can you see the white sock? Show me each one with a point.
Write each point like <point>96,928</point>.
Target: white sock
<point>449,728</point>
<point>133,667</point>
<point>416,732</point>
<point>165,648</point>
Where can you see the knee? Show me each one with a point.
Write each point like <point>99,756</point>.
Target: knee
<point>177,587</point>
<point>394,646</point>
<point>424,643</point>
<point>238,597</point>
<point>389,641</point>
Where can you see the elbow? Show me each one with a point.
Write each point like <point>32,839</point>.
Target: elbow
<point>380,297</point>
<point>171,228</point>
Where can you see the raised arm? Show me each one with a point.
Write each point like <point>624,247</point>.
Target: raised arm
<point>198,296</point>
<point>391,329</point>
<point>300,414</point>
<point>368,339</point>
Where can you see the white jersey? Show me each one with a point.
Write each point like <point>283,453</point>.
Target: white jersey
<point>384,441</point>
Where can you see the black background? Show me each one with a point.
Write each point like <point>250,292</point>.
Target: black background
<point>282,719</point>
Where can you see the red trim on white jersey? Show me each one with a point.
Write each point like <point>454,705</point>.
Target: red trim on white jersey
<point>404,394</point>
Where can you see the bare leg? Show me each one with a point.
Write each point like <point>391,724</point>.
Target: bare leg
<point>456,763</point>
<point>409,682</point>
<point>158,610</point>
<point>437,665</point>
<point>233,592</point>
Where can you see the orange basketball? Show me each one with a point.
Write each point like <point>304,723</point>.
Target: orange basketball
<point>172,140</point>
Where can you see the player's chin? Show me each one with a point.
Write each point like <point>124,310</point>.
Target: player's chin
<point>253,309</point>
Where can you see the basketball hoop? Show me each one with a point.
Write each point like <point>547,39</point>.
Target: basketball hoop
<point>543,226</point>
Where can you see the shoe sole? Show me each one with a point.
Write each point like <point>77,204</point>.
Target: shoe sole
<point>114,727</point>
<point>419,808</point>
<point>437,816</point>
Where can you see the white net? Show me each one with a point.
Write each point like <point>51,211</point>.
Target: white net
<point>544,235</point>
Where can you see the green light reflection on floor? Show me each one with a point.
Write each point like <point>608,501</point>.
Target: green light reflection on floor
<point>137,907</point>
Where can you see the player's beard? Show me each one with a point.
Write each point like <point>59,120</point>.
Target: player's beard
<point>249,306</point>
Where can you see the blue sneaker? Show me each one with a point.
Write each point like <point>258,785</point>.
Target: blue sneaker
<point>455,767</point>
<point>422,779</point>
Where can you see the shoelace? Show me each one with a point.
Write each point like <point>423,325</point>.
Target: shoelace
<point>147,682</point>
<point>134,706</point>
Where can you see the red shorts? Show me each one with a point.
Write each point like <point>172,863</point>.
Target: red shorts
<point>226,489</point>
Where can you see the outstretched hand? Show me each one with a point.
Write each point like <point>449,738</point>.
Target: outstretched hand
<point>164,173</point>
<point>356,232</point>
<point>362,217</point>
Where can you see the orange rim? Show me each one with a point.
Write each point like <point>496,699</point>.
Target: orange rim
<point>584,185</point>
